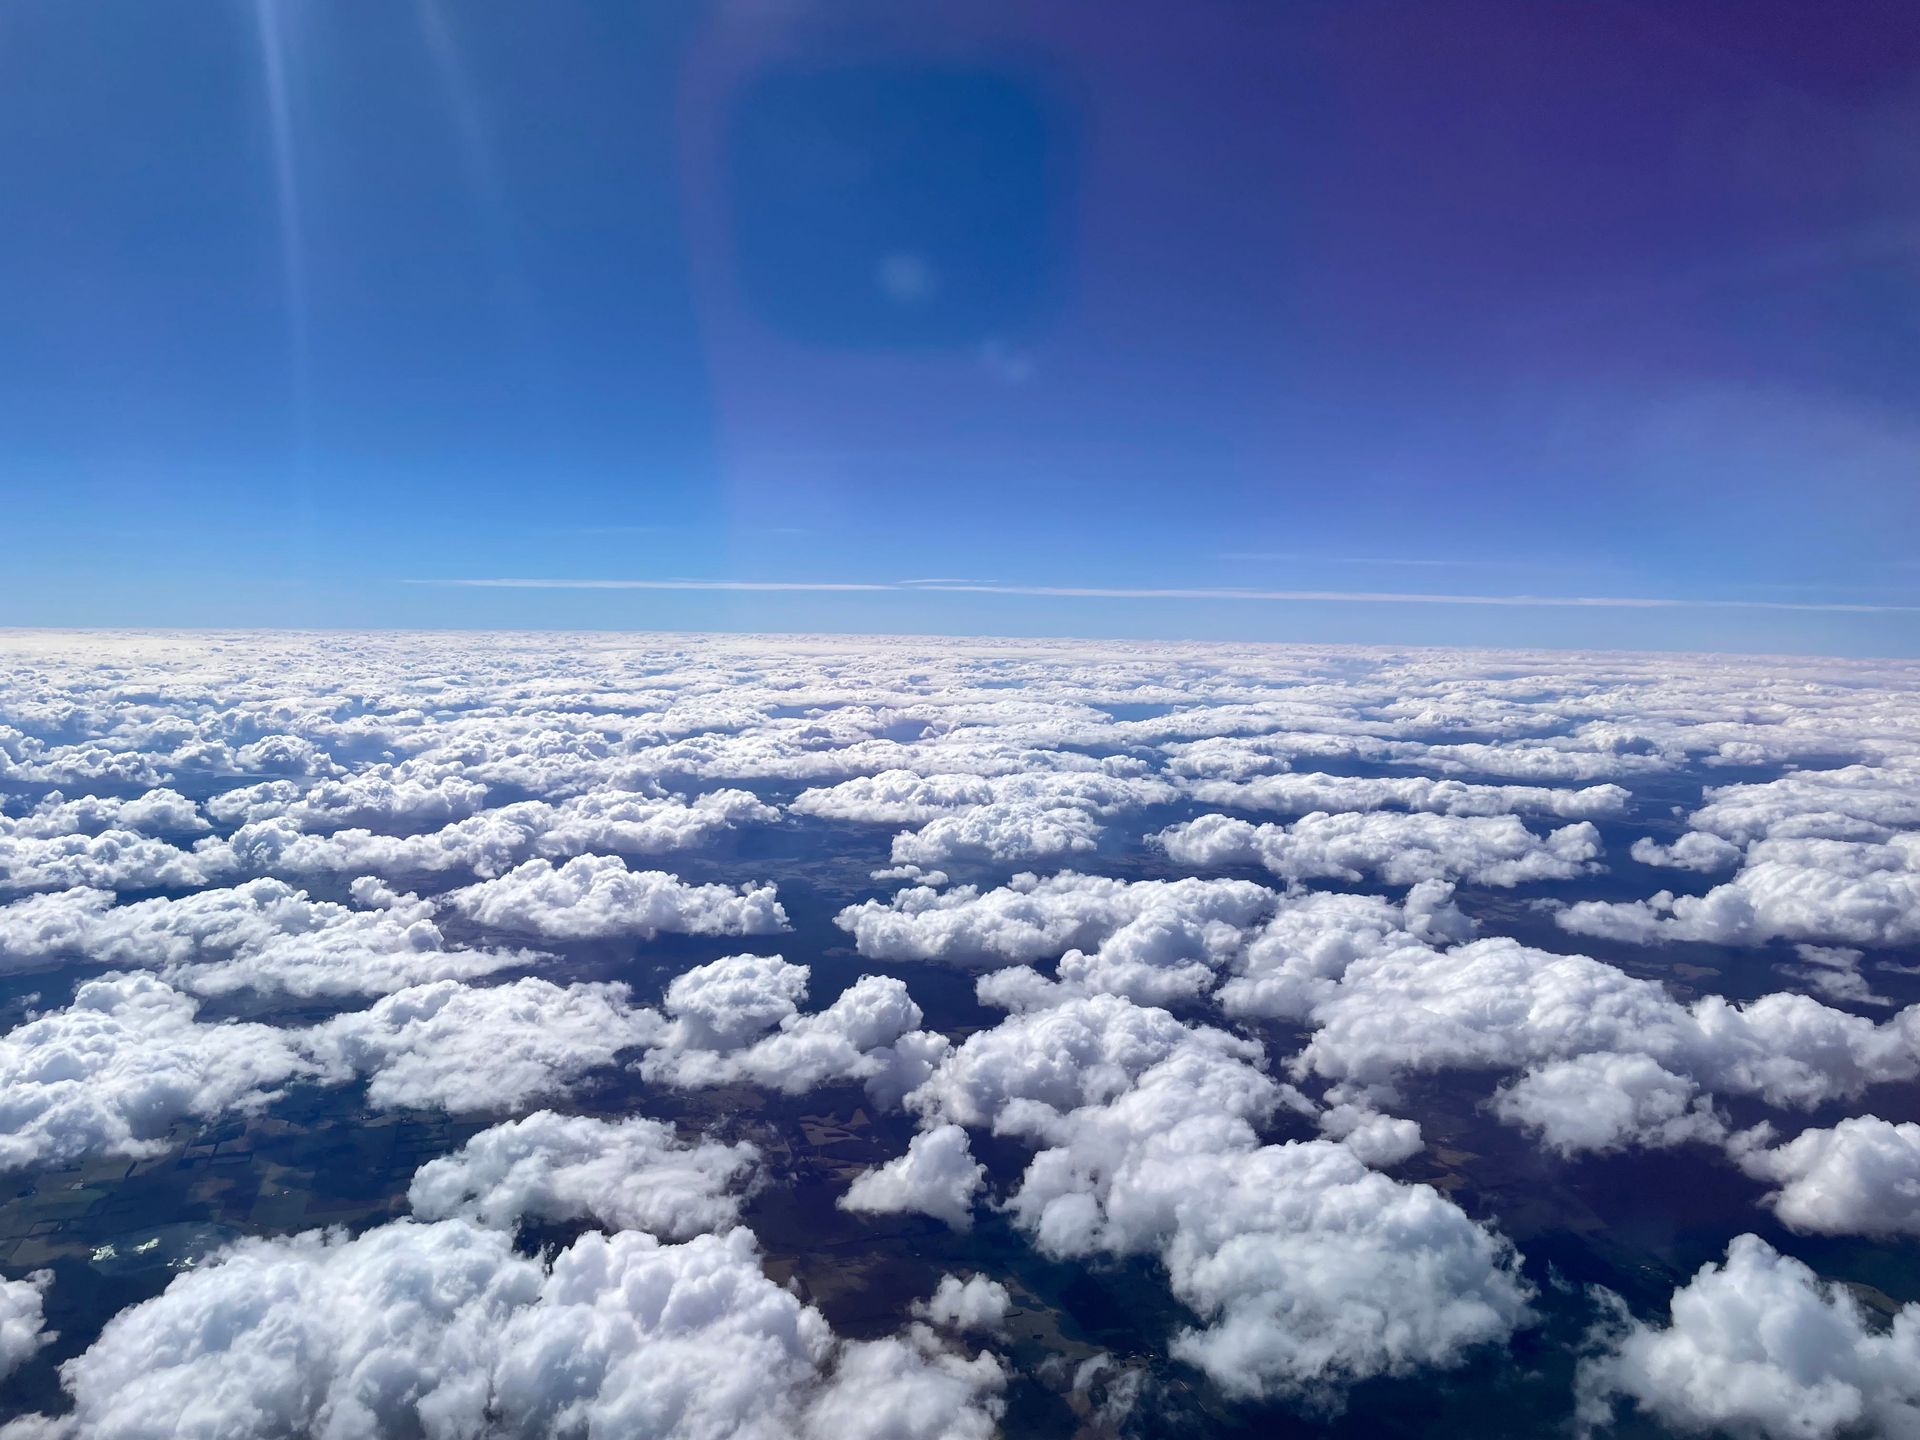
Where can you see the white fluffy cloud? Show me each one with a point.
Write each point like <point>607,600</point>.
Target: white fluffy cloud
<point>1381,1141</point>
<point>110,860</point>
<point>1024,1074</point>
<point>1862,1177</point>
<point>258,935</point>
<point>738,1019</point>
<point>1002,833</point>
<point>1606,1060</point>
<point>1694,850</point>
<point>380,798</point>
<point>23,1328</point>
<point>491,842</point>
<point>1031,918</point>
<point>1302,794</point>
<point>1604,1100</point>
<point>1854,802</point>
<point>1303,953</point>
<point>1495,1004</point>
<point>895,797</point>
<point>111,1073</point>
<point>627,1174</point>
<point>1820,891</point>
<point>1308,1269</point>
<point>633,824</point>
<point>1760,1346</point>
<point>376,764</point>
<point>966,818</point>
<point>443,1329</point>
<point>128,1059</point>
<point>594,896</point>
<point>975,1303</point>
<point>938,1176</point>
<point>157,812</point>
<point>473,1048</point>
<point>1312,1270</point>
<point>1401,849</point>
<point>907,1388</point>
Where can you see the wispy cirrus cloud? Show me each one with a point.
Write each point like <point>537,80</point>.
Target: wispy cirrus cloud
<point>1180,592</point>
<point>1450,562</point>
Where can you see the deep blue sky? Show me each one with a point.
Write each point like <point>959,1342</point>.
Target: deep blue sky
<point>309,301</point>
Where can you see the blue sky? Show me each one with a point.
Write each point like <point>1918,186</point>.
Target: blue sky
<point>314,308</point>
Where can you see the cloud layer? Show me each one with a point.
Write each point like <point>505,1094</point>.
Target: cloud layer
<point>1251,974</point>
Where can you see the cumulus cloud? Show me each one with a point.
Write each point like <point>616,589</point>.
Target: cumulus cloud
<point>1171,951</point>
<point>1357,726</point>
<point>1037,1066</point>
<point>115,1070</point>
<point>1694,850</point>
<point>1381,1141</point>
<point>1313,1271</point>
<point>1001,833</point>
<point>1853,802</point>
<point>23,1328</point>
<point>938,1176</point>
<point>366,767</point>
<point>966,818</point>
<point>1302,955</point>
<point>1604,1100</point>
<point>1820,891</point>
<point>1495,1004</point>
<point>112,1072</point>
<point>894,797</point>
<point>631,824</point>
<point>595,896</point>
<point>491,842</point>
<point>444,1329</point>
<point>1305,793</point>
<point>738,1019</point>
<point>381,798</point>
<point>1307,1269</point>
<point>975,1303</point>
<point>910,1387</point>
<point>1760,1346</point>
<point>110,860</point>
<point>1031,918</point>
<point>628,1174</point>
<point>30,758</point>
<point>1862,1177</point>
<point>157,812</point>
<point>1593,754</point>
<point>471,1048</point>
<point>985,734</point>
<point>1605,1060</point>
<point>259,935</point>
<point>1400,849</point>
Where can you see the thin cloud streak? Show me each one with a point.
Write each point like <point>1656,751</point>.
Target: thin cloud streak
<point>1105,592</point>
<point>1447,562</point>
<point>512,584</point>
